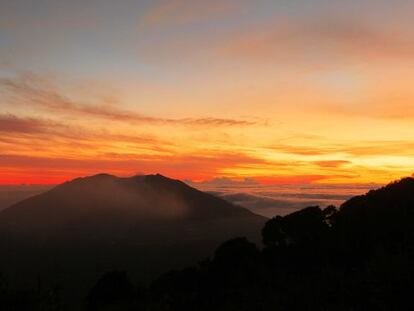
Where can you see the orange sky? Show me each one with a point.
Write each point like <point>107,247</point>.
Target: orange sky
<point>283,92</point>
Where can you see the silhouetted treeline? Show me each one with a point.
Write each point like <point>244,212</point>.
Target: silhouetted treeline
<point>29,299</point>
<point>357,257</point>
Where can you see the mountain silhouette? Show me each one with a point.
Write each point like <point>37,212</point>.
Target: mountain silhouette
<point>108,206</point>
<point>144,224</point>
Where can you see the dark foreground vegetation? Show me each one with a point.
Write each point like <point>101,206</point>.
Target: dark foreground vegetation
<point>357,257</point>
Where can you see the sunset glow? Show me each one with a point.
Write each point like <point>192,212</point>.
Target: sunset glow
<point>276,91</point>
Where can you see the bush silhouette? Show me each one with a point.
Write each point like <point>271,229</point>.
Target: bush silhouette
<point>113,290</point>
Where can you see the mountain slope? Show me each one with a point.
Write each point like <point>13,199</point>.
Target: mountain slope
<point>143,224</point>
<point>108,205</point>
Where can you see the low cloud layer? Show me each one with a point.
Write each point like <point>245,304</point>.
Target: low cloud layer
<point>272,200</point>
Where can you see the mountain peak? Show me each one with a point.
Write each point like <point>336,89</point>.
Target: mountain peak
<point>109,177</point>
<point>102,180</point>
<point>152,177</point>
<point>89,179</point>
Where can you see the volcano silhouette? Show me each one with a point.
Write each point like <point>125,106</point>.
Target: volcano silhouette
<point>143,224</point>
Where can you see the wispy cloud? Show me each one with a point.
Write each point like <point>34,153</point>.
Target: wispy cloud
<point>25,135</point>
<point>332,163</point>
<point>31,90</point>
<point>13,124</point>
<point>168,12</point>
<point>363,148</point>
<point>319,41</point>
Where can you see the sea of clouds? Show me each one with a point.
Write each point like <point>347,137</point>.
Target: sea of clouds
<point>271,200</point>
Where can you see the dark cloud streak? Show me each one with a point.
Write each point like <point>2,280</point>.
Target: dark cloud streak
<point>13,124</point>
<point>31,89</point>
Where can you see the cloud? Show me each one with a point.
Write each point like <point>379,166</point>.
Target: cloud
<point>381,148</point>
<point>332,163</point>
<point>271,207</point>
<point>32,90</point>
<point>303,150</point>
<point>319,42</point>
<point>41,137</point>
<point>173,12</point>
<point>225,182</point>
<point>271,200</point>
<point>294,179</point>
<point>380,106</point>
<point>363,148</point>
<point>25,131</point>
<point>13,124</point>
<point>262,205</point>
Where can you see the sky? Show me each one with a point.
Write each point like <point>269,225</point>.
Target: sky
<point>280,92</point>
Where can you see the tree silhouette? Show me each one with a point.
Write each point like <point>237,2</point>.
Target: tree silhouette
<point>113,290</point>
<point>305,226</point>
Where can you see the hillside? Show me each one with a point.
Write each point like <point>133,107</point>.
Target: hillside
<point>144,224</point>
